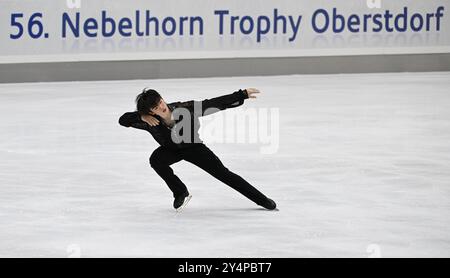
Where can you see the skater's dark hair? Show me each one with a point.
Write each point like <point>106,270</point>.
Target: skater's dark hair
<point>147,100</point>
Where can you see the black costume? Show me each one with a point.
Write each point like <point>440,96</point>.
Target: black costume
<point>193,150</point>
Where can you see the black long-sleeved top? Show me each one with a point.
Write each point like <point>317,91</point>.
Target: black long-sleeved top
<point>176,137</point>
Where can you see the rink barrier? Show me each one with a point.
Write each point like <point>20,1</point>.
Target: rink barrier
<point>190,68</point>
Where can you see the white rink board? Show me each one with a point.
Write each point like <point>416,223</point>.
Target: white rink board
<point>283,28</point>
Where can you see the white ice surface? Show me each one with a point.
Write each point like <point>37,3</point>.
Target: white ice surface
<point>363,169</point>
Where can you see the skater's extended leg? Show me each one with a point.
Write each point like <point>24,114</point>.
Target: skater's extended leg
<point>160,160</point>
<point>204,158</point>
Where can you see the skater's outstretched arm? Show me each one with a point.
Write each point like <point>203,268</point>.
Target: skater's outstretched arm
<point>210,106</point>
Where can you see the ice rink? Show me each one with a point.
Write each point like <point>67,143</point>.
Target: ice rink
<point>362,170</point>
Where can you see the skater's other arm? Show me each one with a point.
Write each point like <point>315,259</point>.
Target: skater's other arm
<point>152,121</point>
<point>133,119</point>
<point>210,106</point>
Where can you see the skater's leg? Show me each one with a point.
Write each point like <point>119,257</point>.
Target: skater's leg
<point>160,160</point>
<point>204,158</point>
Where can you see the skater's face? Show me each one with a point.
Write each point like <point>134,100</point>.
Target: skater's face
<point>161,109</point>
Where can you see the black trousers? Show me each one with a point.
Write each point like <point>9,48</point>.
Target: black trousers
<point>201,156</point>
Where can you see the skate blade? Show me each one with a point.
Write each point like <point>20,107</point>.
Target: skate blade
<point>186,200</point>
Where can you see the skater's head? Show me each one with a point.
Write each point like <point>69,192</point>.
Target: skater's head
<point>151,102</point>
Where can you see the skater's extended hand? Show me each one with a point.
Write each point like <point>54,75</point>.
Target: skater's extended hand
<point>251,92</point>
<point>152,121</point>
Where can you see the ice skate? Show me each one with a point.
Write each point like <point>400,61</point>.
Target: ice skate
<point>270,205</point>
<point>180,202</point>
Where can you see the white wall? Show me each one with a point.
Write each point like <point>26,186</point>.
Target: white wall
<point>303,41</point>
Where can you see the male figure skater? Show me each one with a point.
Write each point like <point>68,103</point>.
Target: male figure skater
<point>168,122</point>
